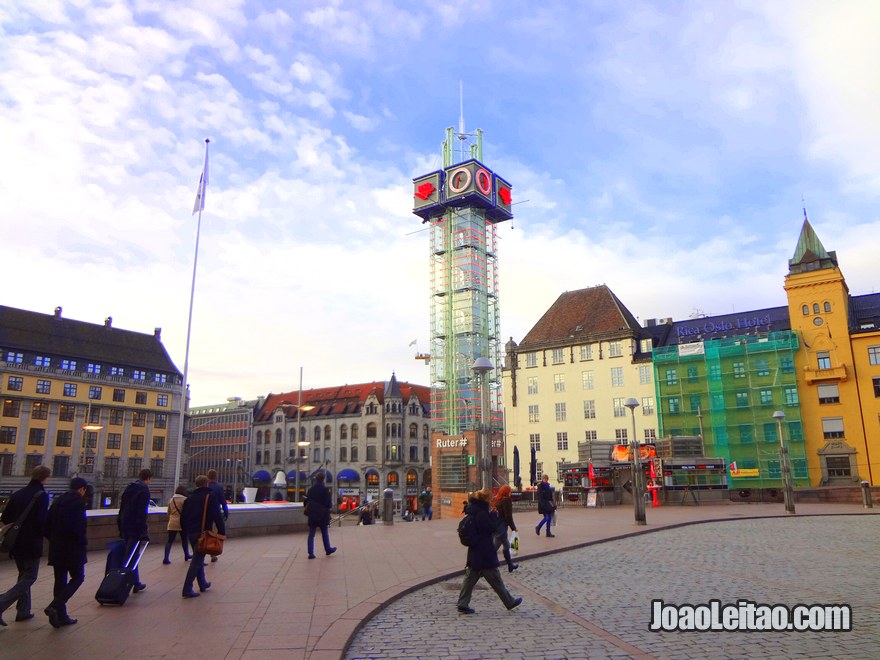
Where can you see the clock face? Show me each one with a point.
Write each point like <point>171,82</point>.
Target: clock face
<point>818,320</point>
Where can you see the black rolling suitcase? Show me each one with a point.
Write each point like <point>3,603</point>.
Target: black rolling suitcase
<point>117,584</point>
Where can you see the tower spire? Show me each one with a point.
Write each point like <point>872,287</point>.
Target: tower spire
<point>461,109</point>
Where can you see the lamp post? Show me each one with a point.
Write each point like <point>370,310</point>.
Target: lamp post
<point>481,367</point>
<point>638,502</point>
<point>236,466</point>
<point>787,491</point>
<point>87,427</point>
<point>301,441</point>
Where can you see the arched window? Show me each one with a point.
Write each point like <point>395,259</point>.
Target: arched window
<point>317,454</point>
<point>413,431</point>
<point>425,432</point>
<point>343,432</point>
<point>815,308</point>
<point>387,430</point>
<point>806,310</point>
<point>259,457</point>
<point>372,479</point>
<point>278,456</point>
<point>392,479</point>
<point>412,479</point>
<point>317,434</point>
<point>291,435</point>
<point>302,433</point>
<point>827,306</point>
<point>259,437</point>
<point>277,436</point>
<point>354,453</point>
<point>327,433</point>
<point>354,431</point>
<point>343,454</point>
<point>371,430</point>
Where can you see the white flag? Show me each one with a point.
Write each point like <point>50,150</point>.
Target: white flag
<point>203,185</point>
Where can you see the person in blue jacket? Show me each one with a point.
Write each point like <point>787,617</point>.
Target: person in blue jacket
<point>318,503</point>
<point>482,557</point>
<point>194,511</point>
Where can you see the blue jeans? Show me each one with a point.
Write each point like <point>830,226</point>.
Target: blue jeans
<point>501,539</point>
<point>548,518</point>
<point>20,593</point>
<point>325,536</point>
<point>428,512</point>
<point>196,570</point>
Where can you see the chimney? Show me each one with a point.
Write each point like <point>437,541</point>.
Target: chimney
<point>108,322</point>
<point>58,312</point>
<point>157,333</point>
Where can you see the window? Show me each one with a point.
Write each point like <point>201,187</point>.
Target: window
<point>137,374</point>
<point>616,376</point>
<point>114,441</point>
<point>590,409</point>
<point>742,399</point>
<point>770,434</point>
<point>8,435</point>
<point>559,382</point>
<point>791,395</point>
<point>162,400</point>
<point>413,454</point>
<point>535,441</point>
<point>140,398</point>
<point>533,385</point>
<point>68,365</point>
<point>746,434</point>
<point>786,363</point>
<point>876,387</point>
<point>692,374</point>
<point>63,438</point>
<point>826,306</point>
<point>591,436</point>
<point>111,466</point>
<point>621,437</point>
<point>560,412</point>
<point>413,432</point>
<point>15,358</point>
<point>37,437</point>
<point>562,441</point>
<point>714,372</point>
<point>39,410</point>
<point>823,359</point>
<point>136,443</point>
<point>645,374</point>
<point>619,407</point>
<point>61,466</point>
<point>44,387</point>
<point>762,367</point>
<point>11,407</point>
<point>41,361</point>
<point>160,421</point>
<point>158,443</point>
<point>371,432</point>
<point>533,415</point>
<point>354,434</point>
<point>354,453</point>
<point>93,368</point>
<point>874,355</point>
<point>160,378</point>
<point>119,395</point>
<point>91,439</point>
<point>587,382</point>
<point>586,352</point>
<point>139,419</point>
<point>651,436</point>
<point>646,346</point>
<point>672,377</point>
<point>117,371</point>
<point>31,461</point>
<point>805,310</point>
<point>371,453</point>
<point>69,389</point>
<point>739,370</point>
<point>615,349</point>
<point>765,397</point>
<point>116,416</point>
<point>828,393</point>
<point>832,427</point>
<point>134,466</point>
<point>392,479</point>
<point>647,405</point>
<point>15,383</point>
<point>558,355</point>
<point>838,466</point>
<point>795,432</point>
<point>531,359</point>
<point>695,403</point>
<point>674,404</point>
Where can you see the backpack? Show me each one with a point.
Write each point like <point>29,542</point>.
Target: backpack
<point>467,530</point>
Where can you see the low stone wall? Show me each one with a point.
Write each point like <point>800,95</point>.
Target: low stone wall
<point>837,494</point>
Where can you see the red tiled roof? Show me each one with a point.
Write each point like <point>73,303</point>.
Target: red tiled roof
<point>582,314</point>
<point>338,400</point>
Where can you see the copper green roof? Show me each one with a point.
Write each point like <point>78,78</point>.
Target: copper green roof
<point>810,254</point>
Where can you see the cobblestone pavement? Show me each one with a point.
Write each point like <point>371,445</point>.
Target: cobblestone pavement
<point>595,602</point>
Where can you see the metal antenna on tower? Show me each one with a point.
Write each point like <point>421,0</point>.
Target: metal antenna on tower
<point>461,135</point>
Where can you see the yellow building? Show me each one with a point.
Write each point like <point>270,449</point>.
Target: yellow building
<point>85,400</point>
<point>838,366</point>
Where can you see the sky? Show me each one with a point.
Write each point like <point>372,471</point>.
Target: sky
<point>661,148</point>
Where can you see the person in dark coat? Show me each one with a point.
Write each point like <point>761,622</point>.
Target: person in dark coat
<point>482,557</point>
<point>219,493</point>
<point>319,503</point>
<point>194,511</point>
<point>132,520</point>
<point>546,507</point>
<point>28,546</point>
<point>503,504</point>
<point>66,531</point>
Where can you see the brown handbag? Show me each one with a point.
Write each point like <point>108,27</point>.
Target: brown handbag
<point>210,542</point>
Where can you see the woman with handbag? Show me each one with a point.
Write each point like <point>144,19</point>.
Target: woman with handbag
<point>201,512</point>
<point>503,504</point>
<point>175,508</point>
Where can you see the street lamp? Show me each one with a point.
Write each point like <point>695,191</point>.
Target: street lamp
<point>787,492</point>
<point>481,367</point>
<point>638,502</point>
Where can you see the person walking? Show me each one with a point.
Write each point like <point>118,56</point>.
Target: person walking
<point>482,556</point>
<point>66,531</point>
<point>546,507</point>
<point>220,494</point>
<point>175,508</point>
<point>28,546</point>
<point>426,500</point>
<point>201,510</point>
<point>318,503</point>
<point>132,520</point>
<point>503,504</point>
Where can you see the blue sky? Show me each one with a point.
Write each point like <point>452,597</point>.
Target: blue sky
<point>659,148</point>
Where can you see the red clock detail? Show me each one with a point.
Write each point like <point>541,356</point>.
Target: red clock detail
<point>425,190</point>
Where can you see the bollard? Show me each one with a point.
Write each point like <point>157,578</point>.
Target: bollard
<point>866,495</point>
<point>388,506</point>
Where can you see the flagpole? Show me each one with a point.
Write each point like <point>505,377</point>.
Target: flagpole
<point>200,205</point>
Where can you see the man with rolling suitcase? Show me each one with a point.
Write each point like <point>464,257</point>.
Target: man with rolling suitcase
<point>132,519</point>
